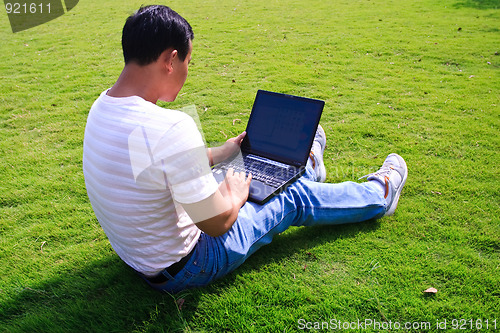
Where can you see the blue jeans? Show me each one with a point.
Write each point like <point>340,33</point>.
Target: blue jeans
<point>304,203</point>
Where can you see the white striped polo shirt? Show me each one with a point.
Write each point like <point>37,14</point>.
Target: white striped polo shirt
<point>139,162</point>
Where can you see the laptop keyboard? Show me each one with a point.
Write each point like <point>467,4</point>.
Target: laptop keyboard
<point>269,174</point>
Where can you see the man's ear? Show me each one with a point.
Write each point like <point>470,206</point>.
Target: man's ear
<point>167,58</point>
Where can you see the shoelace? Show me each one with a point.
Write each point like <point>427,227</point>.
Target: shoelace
<point>381,172</point>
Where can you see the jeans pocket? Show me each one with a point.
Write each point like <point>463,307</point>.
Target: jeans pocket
<point>200,270</point>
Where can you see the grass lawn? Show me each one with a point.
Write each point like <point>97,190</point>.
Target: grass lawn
<point>420,78</point>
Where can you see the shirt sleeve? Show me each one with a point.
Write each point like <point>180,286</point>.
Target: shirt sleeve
<point>185,164</point>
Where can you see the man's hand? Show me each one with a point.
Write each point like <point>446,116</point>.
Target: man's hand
<point>230,148</point>
<point>236,186</point>
<point>216,214</point>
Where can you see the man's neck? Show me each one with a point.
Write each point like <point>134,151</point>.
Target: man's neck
<point>136,80</point>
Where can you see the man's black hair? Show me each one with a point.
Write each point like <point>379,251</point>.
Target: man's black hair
<point>152,30</point>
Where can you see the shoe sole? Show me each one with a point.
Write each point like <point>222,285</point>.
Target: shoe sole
<point>322,169</point>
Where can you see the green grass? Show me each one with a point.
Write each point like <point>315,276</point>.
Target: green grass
<point>420,78</point>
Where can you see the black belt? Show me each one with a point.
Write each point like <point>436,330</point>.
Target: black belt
<point>172,270</point>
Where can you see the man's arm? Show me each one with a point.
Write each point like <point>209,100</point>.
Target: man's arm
<point>216,214</point>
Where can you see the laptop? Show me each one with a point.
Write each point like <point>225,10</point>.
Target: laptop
<point>280,133</point>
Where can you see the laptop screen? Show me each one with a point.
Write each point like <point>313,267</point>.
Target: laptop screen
<point>282,127</point>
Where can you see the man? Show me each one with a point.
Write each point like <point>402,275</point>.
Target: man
<point>148,178</point>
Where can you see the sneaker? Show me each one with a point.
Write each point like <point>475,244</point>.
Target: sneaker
<point>316,155</point>
<point>392,175</point>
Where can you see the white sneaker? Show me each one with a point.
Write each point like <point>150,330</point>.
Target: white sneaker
<point>392,175</point>
<point>316,155</point>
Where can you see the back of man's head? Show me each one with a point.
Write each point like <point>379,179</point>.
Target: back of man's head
<point>152,30</point>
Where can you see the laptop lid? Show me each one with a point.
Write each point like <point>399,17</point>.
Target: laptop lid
<point>282,127</point>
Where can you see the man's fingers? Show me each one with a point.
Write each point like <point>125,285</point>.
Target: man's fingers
<point>249,178</point>
<point>237,139</point>
<point>241,136</point>
<point>241,175</point>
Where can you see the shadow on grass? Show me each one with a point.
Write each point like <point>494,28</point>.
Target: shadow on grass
<point>106,296</point>
<point>478,4</point>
